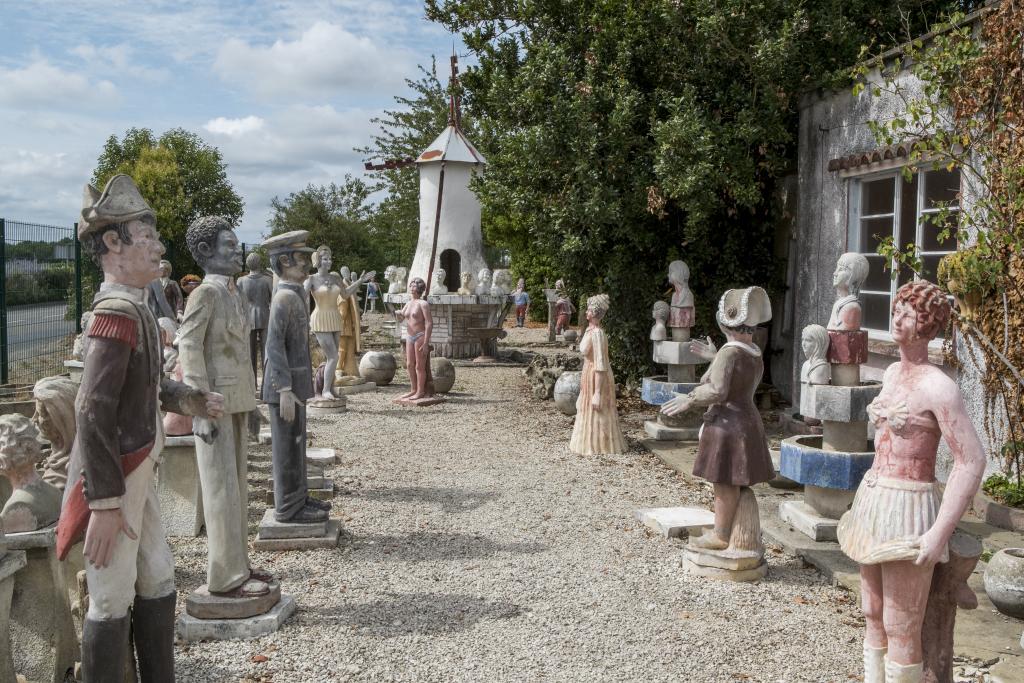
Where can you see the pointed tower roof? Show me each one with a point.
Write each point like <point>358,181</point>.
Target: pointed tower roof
<point>451,144</point>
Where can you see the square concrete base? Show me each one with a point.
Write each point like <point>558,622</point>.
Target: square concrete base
<point>191,629</point>
<point>270,528</point>
<point>322,456</point>
<point>722,574</point>
<point>319,494</point>
<point>354,389</point>
<point>201,604</point>
<point>675,522</point>
<point>807,521</point>
<point>660,432</point>
<point>328,540</point>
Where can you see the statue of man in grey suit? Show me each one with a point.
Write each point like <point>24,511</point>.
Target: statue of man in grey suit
<point>288,379</point>
<point>258,288</point>
<point>212,349</point>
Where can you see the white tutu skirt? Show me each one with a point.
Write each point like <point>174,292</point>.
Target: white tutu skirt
<point>887,519</point>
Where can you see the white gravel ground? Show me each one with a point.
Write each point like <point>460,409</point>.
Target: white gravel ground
<point>478,548</point>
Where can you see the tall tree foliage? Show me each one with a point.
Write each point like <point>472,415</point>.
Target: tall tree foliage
<point>180,176</point>
<point>622,134</point>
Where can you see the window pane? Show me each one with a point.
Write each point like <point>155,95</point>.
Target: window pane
<point>876,196</point>
<point>904,276</point>
<point>929,264</point>
<point>931,227</point>
<point>872,231</point>
<point>878,277</point>
<point>908,212</point>
<point>941,187</point>
<point>876,311</point>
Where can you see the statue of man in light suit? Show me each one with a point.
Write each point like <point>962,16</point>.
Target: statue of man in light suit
<point>213,349</point>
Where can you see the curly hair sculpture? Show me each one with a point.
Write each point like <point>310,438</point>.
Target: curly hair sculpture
<point>930,303</point>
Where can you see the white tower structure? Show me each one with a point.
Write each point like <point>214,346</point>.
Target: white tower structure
<point>446,168</point>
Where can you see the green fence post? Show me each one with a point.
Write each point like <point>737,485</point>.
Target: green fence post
<point>3,302</point>
<point>78,283</point>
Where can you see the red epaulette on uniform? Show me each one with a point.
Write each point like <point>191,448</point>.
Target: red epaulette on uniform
<point>117,327</point>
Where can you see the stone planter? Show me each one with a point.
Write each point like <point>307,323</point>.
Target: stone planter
<point>567,390</point>
<point>997,514</point>
<point>569,336</point>
<point>444,374</point>
<point>378,367</point>
<point>1004,581</point>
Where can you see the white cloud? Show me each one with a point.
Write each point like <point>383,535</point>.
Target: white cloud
<point>41,84</point>
<point>120,60</point>
<point>233,127</point>
<point>323,62</point>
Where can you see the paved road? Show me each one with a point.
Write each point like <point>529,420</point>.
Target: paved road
<point>38,340</point>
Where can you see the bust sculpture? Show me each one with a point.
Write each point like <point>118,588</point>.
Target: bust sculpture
<point>34,504</point>
<point>660,313</point>
<point>502,283</point>
<point>681,312</point>
<point>438,286</point>
<point>814,343</point>
<point>395,275</point>
<point>899,525</point>
<point>850,274</point>
<point>483,287</point>
<point>466,283</point>
<point>55,420</point>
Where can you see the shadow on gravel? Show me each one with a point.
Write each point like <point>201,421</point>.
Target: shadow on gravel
<point>425,613</point>
<point>431,546</point>
<point>452,501</point>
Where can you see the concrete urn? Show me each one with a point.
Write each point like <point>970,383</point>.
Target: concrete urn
<point>567,390</point>
<point>378,367</point>
<point>569,336</point>
<point>444,374</point>
<point>1004,581</point>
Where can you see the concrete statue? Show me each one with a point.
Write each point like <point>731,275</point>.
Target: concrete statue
<point>34,503</point>
<point>502,283</point>
<point>596,430</point>
<point>483,278</point>
<point>418,327</point>
<point>396,275</point>
<point>438,286</point>
<point>258,287</point>
<point>681,313</point>
<point>851,271</point>
<point>814,342</point>
<point>521,299</point>
<point>660,313</point>
<point>55,419</point>
<point>466,283</point>
<point>563,310</point>
<point>372,294</point>
<point>172,290</point>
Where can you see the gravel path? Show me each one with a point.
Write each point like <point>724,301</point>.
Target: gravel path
<point>478,548</point>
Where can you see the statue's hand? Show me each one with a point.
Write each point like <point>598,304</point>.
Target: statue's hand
<point>288,403</point>
<point>679,404</point>
<point>365,277</point>
<point>214,405</point>
<point>932,548</point>
<point>205,429</point>
<point>101,535</point>
<point>705,350</point>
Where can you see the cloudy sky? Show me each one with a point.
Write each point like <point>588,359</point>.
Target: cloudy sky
<point>284,88</point>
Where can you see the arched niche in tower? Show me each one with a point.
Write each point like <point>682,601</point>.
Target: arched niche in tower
<point>452,264</point>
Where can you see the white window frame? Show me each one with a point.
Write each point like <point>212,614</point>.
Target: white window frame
<point>853,228</point>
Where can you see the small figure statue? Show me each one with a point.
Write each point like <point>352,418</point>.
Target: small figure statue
<point>172,290</point>
<point>116,448</point>
<point>346,274</point>
<point>681,316</point>
<point>439,287</point>
<point>660,313</point>
<point>466,283</point>
<point>521,299</point>
<point>418,327</point>
<point>211,340</point>
<point>35,503</point>
<point>258,288</point>
<point>733,451</point>
<point>502,283</point>
<point>372,294</point>
<point>483,287</point>
<point>55,419</point>
<point>814,342</point>
<point>851,271</point>
<point>396,276</point>
<point>288,378</point>
<point>596,430</point>
<point>563,310</point>
<point>900,524</point>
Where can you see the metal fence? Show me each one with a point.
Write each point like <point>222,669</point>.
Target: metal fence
<point>40,301</point>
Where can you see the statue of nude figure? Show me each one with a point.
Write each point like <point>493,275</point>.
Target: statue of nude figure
<point>418,327</point>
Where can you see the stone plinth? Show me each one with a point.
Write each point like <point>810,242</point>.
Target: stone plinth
<point>326,406</point>
<point>274,535</point>
<point>42,633</point>
<point>676,522</point>
<point>808,521</point>
<point>10,563</point>
<point>350,389</point>
<point>419,402</point>
<point>322,456</point>
<point>847,347</point>
<point>454,315</point>
<point>725,565</point>
<point>179,489</point>
<point>191,629</point>
<point>675,353</point>
<point>838,403</point>
<point>74,368</point>
<point>202,605</point>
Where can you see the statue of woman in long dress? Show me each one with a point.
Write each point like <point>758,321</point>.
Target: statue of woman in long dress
<point>899,524</point>
<point>596,430</point>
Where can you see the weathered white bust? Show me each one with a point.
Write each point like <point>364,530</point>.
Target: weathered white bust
<point>483,287</point>
<point>850,274</point>
<point>34,504</point>
<point>466,283</point>
<point>396,276</point>
<point>502,283</point>
<point>660,314</point>
<point>439,287</point>
<point>814,342</point>
<point>55,420</point>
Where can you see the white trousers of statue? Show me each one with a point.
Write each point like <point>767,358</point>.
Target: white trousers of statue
<point>223,475</point>
<point>144,566</point>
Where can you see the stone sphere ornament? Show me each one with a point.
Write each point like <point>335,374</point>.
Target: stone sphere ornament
<point>567,391</point>
<point>569,336</point>
<point>378,367</point>
<point>444,374</point>
<point>1004,581</point>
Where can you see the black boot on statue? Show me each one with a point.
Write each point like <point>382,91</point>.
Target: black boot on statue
<point>153,627</point>
<point>104,649</point>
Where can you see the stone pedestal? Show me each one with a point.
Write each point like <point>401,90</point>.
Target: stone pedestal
<point>179,489</point>
<point>351,389</point>
<point>42,633</point>
<point>326,406</point>
<point>322,456</point>
<point>274,535</point>
<point>201,604</point>
<point>676,522</point>
<point>743,560</point>
<point>74,368</point>
<point>190,629</point>
<point>10,563</point>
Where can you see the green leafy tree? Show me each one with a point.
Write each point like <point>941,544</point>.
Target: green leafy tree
<point>180,176</point>
<point>623,134</point>
<point>335,215</point>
